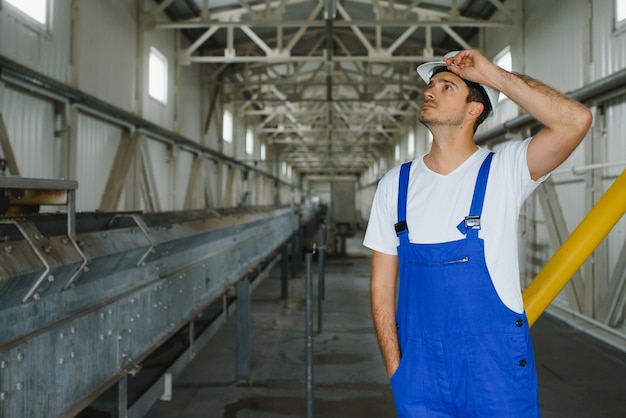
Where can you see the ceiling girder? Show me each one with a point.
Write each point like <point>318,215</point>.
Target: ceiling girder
<point>272,60</point>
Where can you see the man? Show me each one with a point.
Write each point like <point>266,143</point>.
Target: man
<point>458,344</point>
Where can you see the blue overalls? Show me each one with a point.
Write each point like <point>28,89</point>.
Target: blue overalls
<point>464,353</point>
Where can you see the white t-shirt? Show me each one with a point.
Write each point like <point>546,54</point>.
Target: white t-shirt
<point>437,203</point>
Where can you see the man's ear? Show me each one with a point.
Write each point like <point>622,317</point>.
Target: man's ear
<point>475,109</point>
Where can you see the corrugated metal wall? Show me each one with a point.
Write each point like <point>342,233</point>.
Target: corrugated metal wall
<point>106,49</point>
<point>96,149</point>
<point>97,47</point>
<point>30,124</point>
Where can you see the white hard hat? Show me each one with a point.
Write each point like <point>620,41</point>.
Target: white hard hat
<point>427,69</point>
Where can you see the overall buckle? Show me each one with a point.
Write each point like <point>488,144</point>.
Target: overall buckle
<point>401,226</point>
<point>472,222</point>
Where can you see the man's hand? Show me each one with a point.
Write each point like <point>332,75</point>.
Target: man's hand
<point>471,65</point>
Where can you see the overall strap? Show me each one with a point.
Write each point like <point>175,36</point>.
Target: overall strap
<point>403,186</point>
<point>471,224</point>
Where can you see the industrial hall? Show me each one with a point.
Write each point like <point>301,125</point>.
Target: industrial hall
<point>312,208</point>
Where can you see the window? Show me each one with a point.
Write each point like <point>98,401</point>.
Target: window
<point>249,142</point>
<point>31,11</point>
<point>411,144</point>
<point>397,152</point>
<point>228,126</point>
<point>504,60</point>
<point>620,14</point>
<point>286,170</point>
<point>157,76</point>
<point>262,152</point>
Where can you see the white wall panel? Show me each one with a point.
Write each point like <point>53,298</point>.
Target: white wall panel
<point>190,119</point>
<point>554,42</point>
<point>609,46</point>
<point>161,169</point>
<point>30,126</point>
<point>616,133</point>
<point>97,146</point>
<point>107,50</point>
<point>183,171</point>
<point>615,154</point>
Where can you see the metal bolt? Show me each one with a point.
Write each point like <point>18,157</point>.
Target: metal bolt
<point>19,386</point>
<point>61,335</point>
<point>36,296</point>
<point>3,396</point>
<point>61,360</point>
<point>19,356</point>
<point>50,278</point>
<point>8,249</point>
<point>3,364</point>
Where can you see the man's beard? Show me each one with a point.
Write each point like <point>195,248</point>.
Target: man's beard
<point>447,120</point>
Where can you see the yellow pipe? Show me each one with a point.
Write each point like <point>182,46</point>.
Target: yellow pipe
<point>575,250</point>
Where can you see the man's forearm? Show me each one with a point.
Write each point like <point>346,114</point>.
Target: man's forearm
<point>550,107</point>
<point>383,299</point>
<point>384,323</point>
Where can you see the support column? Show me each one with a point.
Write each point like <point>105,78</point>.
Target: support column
<point>284,278</point>
<point>116,182</point>
<point>122,397</point>
<point>243,331</point>
<point>294,255</point>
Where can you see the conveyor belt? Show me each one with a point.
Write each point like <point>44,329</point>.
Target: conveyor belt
<point>78,314</point>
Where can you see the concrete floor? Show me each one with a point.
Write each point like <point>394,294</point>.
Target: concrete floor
<point>578,376</point>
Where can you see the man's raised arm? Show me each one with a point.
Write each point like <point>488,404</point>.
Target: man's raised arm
<point>565,120</point>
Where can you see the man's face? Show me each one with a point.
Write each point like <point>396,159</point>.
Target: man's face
<point>445,100</point>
